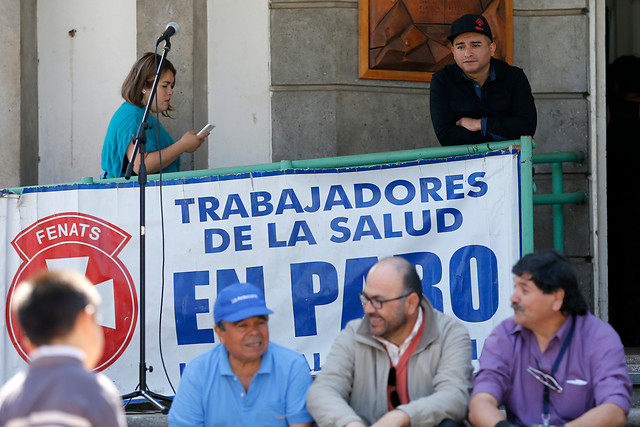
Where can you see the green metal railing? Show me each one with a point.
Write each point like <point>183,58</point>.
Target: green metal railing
<point>528,199</point>
<point>558,198</point>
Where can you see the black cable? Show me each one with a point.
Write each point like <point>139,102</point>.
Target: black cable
<point>163,258</point>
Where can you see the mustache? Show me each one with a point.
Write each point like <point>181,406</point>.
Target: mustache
<point>517,307</point>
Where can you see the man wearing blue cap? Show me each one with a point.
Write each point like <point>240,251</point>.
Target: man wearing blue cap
<point>479,98</point>
<point>247,380</point>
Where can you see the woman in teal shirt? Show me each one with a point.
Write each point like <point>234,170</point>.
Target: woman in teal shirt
<point>118,143</point>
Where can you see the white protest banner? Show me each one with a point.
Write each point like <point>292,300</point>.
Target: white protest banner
<point>307,237</point>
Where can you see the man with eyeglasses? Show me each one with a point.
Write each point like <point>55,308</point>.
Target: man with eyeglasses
<point>479,98</point>
<point>552,363</point>
<point>403,364</point>
<point>57,313</point>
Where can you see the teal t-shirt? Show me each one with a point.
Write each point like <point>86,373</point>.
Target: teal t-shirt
<point>124,124</point>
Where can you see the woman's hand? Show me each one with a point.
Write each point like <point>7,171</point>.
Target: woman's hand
<point>190,142</point>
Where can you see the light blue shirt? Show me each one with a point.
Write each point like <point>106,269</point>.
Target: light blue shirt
<point>210,394</point>
<point>123,125</point>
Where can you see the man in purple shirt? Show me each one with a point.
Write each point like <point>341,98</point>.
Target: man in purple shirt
<point>552,363</point>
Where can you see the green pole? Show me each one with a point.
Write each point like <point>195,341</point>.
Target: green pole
<point>558,209</point>
<point>526,194</point>
<point>564,198</point>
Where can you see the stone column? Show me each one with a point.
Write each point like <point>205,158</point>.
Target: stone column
<point>189,55</point>
<point>18,93</point>
<point>29,138</point>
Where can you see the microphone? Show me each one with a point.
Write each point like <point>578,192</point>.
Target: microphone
<point>172,28</point>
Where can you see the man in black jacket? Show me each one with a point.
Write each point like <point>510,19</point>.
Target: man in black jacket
<point>479,98</point>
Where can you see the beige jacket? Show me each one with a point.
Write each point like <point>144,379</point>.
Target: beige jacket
<point>352,384</point>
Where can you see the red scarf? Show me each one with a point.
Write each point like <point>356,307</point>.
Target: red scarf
<point>402,368</point>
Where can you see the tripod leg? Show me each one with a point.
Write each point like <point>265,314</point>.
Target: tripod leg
<point>131,395</point>
<point>154,402</point>
<point>160,397</point>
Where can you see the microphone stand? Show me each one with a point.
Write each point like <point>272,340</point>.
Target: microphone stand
<point>140,141</point>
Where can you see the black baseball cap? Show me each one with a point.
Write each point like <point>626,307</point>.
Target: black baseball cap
<point>470,24</point>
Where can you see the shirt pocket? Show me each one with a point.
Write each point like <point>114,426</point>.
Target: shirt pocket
<point>272,414</point>
<point>576,398</point>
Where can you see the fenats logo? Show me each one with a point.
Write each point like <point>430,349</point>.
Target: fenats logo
<point>90,246</point>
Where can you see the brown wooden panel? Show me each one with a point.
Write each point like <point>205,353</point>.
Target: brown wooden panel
<point>407,39</point>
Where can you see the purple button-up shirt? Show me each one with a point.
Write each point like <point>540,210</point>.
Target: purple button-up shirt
<point>592,372</point>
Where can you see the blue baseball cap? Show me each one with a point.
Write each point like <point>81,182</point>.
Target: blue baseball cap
<point>238,302</point>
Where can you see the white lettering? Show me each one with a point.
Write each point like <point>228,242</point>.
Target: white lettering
<point>95,233</point>
<point>51,232</point>
<point>84,228</point>
<point>58,231</point>
<point>39,236</point>
<point>243,297</point>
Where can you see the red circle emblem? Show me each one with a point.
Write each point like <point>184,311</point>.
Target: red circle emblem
<point>90,246</point>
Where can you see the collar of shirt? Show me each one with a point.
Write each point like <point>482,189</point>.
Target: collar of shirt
<point>265,363</point>
<point>395,352</point>
<point>559,336</point>
<point>58,350</point>
<point>477,87</point>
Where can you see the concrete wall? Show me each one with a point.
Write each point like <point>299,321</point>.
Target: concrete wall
<point>28,93</point>
<point>188,54</point>
<point>559,77</point>
<point>10,94</point>
<point>321,108</point>
<point>238,80</point>
<point>79,78</point>
<point>279,81</point>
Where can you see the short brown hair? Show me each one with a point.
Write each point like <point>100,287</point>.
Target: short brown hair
<point>141,77</point>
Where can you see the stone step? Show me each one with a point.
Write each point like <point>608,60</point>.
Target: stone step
<point>632,355</point>
<point>159,420</point>
<point>153,420</point>
<point>150,419</point>
<point>633,363</point>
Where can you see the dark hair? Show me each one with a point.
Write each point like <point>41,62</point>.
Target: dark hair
<point>410,281</point>
<point>141,77</point>
<point>49,303</point>
<point>550,271</point>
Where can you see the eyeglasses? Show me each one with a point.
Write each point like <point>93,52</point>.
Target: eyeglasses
<point>393,397</point>
<point>377,303</point>
<point>545,379</point>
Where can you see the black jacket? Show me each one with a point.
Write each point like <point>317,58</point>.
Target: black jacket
<point>506,102</point>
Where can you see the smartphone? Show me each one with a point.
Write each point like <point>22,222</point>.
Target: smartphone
<point>207,128</point>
